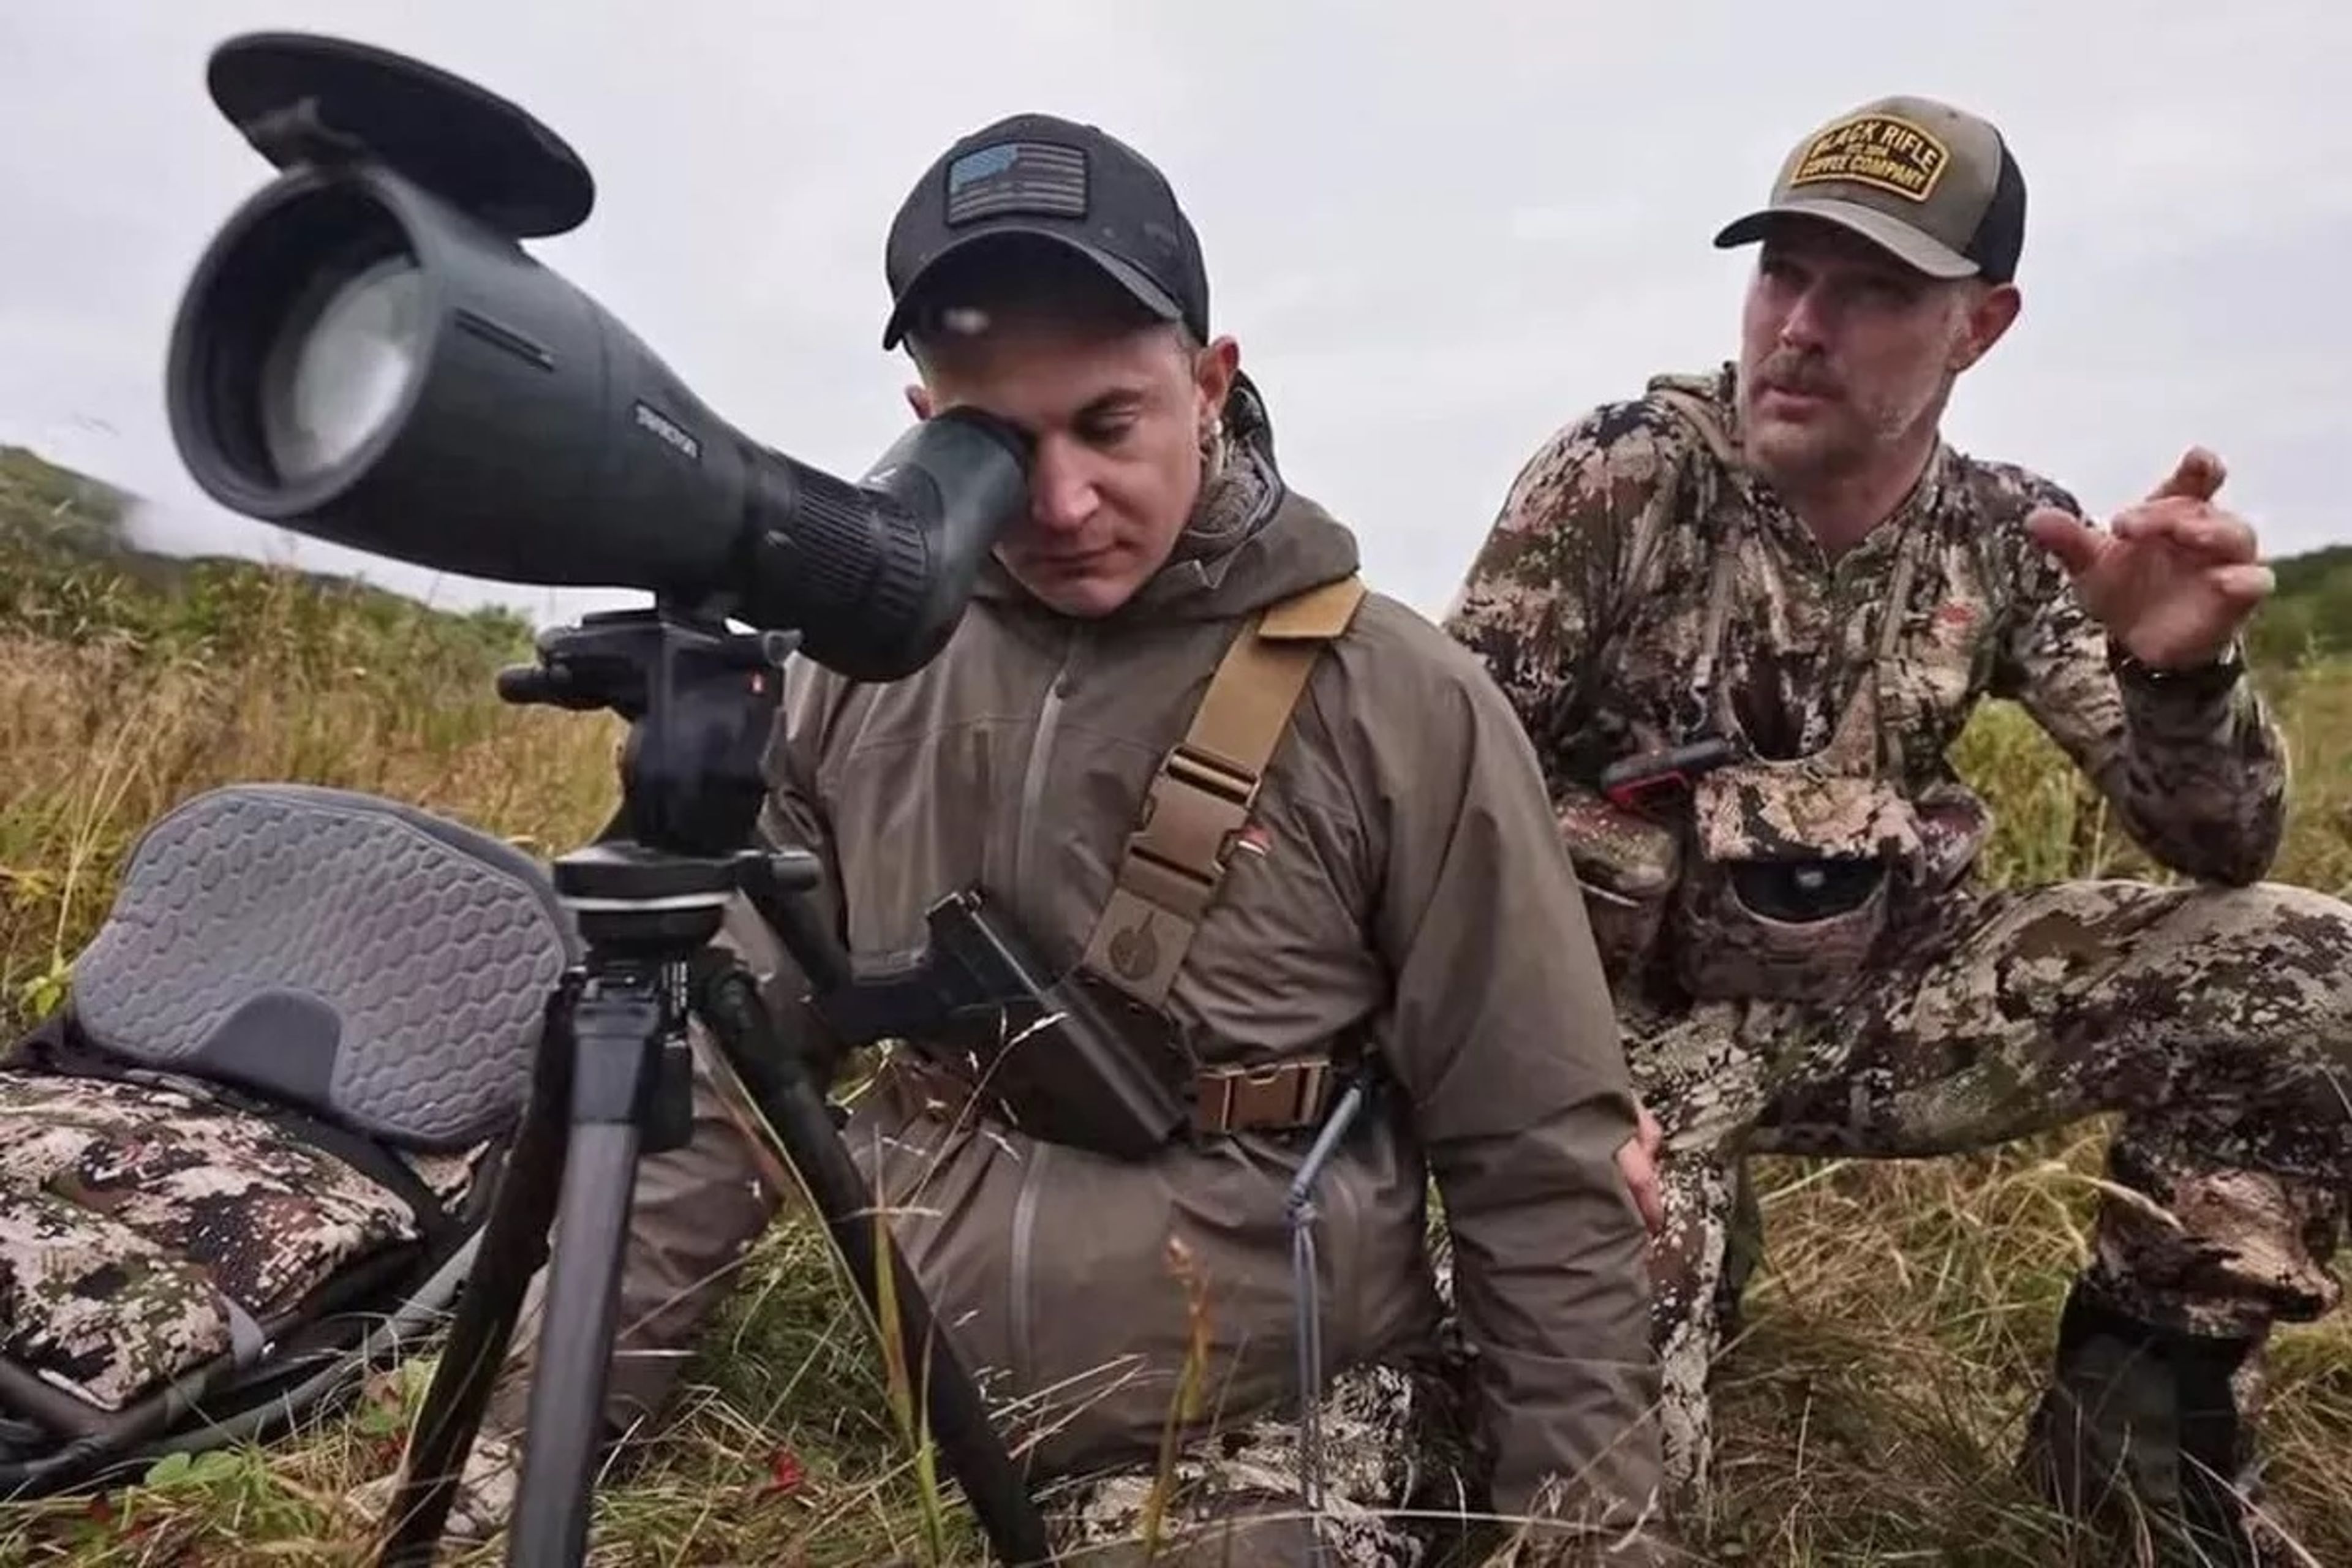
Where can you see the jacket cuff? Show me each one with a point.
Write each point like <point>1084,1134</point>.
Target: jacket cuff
<point>2180,704</point>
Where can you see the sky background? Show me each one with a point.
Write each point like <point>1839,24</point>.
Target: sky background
<point>1438,231</point>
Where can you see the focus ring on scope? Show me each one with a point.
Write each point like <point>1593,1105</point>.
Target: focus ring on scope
<point>859,569</point>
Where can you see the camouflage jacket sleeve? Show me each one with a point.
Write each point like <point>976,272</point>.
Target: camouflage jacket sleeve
<point>2198,779</point>
<point>1544,588</point>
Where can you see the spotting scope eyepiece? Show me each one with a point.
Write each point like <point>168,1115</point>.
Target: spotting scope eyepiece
<point>366,354</point>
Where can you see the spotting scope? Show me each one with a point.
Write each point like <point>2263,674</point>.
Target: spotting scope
<point>366,354</point>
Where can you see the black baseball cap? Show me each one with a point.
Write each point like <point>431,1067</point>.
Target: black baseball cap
<point>1047,178</point>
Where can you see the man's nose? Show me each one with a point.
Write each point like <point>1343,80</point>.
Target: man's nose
<point>1061,492</point>
<point>1805,323</point>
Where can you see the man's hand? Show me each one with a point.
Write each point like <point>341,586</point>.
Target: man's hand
<point>2173,578</point>
<point>1637,1158</point>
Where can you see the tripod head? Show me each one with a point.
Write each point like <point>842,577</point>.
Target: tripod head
<point>702,701</point>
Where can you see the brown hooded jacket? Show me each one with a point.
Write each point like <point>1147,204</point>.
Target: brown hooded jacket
<point>1412,890</point>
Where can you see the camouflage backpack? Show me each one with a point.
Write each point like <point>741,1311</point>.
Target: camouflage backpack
<point>249,1159</point>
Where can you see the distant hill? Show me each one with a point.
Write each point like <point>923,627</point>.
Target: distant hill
<point>69,568</point>
<point>45,507</point>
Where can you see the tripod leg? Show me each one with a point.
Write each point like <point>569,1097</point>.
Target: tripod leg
<point>514,1243</point>
<point>786,1095</point>
<point>616,1036</point>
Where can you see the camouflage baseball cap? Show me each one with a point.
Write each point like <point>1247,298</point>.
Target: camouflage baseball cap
<point>1932,184</point>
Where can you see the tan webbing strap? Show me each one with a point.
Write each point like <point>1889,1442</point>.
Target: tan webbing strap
<point>1200,799</point>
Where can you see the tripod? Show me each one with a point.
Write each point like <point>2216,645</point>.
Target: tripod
<point>611,1080</point>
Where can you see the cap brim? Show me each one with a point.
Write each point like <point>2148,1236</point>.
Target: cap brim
<point>1907,244</point>
<point>1146,293</point>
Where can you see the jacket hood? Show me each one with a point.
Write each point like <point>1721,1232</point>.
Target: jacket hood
<point>1252,538</point>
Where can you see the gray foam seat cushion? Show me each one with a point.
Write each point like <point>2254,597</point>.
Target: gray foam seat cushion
<point>373,963</point>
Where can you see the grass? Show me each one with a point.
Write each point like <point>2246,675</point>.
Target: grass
<point>1896,1333</point>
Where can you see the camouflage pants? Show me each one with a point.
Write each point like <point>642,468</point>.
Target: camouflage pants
<point>2216,1021</point>
<point>1235,1501</point>
<point>1389,1438</point>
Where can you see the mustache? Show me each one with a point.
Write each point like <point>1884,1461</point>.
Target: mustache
<point>1800,374</point>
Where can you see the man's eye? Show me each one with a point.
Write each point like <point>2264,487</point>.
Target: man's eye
<point>1104,432</point>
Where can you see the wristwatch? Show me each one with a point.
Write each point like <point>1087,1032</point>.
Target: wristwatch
<point>2208,680</point>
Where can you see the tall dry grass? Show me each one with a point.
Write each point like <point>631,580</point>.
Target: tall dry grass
<point>1895,1332</point>
<point>102,733</point>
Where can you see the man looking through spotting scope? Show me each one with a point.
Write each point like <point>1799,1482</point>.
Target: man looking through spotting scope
<point>1348,925</point>
<point>1745,616</point>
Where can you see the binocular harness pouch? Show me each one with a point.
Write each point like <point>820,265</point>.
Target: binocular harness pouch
<point>1784,915</point>
<point>1789,889</point>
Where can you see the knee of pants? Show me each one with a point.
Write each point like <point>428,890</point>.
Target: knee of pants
<point>2283,945</point>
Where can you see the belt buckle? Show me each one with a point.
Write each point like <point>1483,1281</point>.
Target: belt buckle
<point>1230,1090</point>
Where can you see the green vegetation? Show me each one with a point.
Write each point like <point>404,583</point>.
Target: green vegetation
<point>2310,616</point>
<point>1897,1332</point>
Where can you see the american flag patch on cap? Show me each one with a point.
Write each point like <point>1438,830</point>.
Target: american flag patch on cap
<point>1017,177</point>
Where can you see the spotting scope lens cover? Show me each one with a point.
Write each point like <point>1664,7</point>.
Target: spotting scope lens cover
<point>366,354</point>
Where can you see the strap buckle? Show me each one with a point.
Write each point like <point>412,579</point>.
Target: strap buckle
<point>1278,1095</point>
<point>1193,813</point>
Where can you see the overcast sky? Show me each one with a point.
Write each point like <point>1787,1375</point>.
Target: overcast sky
<point>1438,230</point>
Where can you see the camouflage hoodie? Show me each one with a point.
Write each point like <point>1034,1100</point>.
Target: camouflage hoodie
<point>1413,888</point>
<point>1588,603</point>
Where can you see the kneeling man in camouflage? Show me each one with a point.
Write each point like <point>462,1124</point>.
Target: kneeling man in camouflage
<point>1744,615</point>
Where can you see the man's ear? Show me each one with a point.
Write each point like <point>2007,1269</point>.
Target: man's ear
<point>1990,316</point>
<point>919,398</point>
<point>1213,375</point>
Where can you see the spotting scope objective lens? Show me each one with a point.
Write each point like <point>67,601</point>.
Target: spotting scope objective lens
<point>337,369</point>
